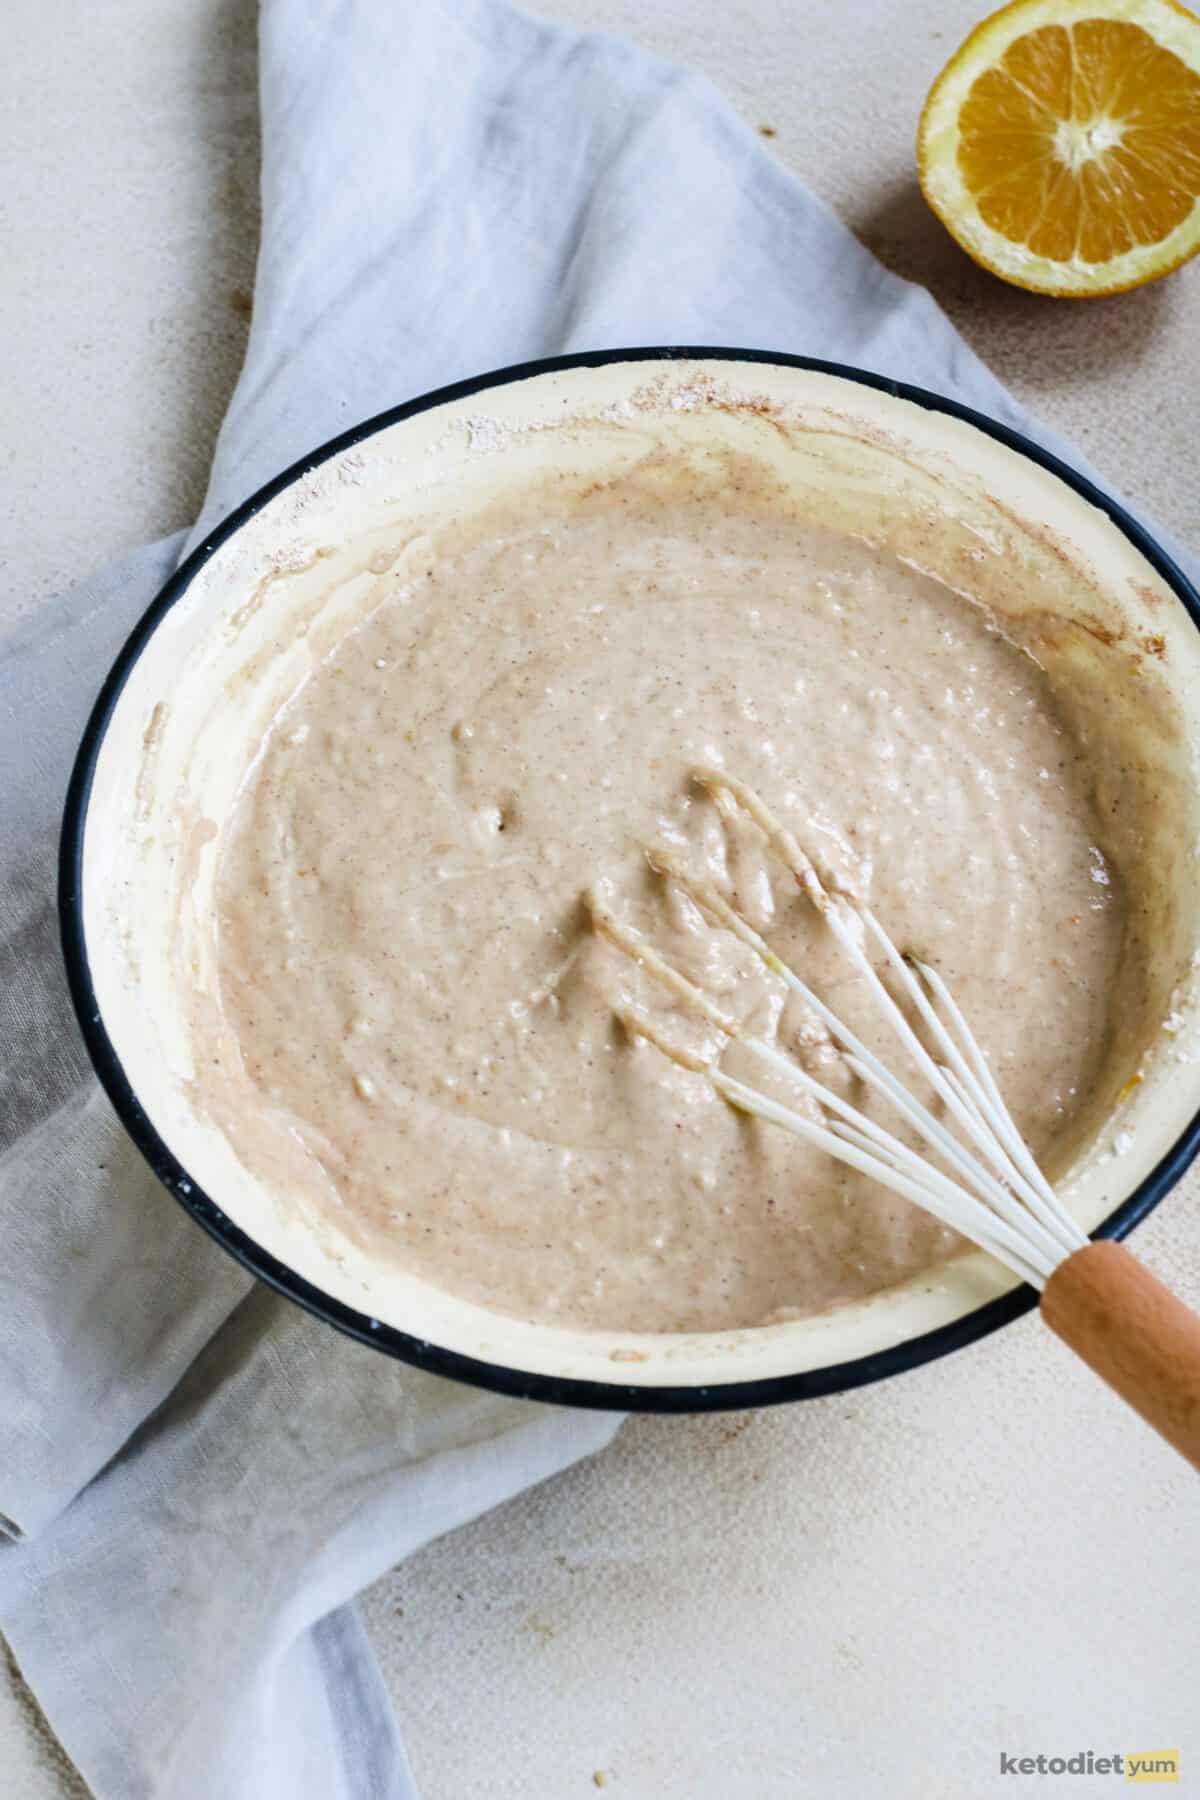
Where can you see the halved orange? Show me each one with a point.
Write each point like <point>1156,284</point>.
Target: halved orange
<point>1061,143</point>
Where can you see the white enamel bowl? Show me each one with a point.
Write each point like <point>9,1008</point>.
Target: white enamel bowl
<point>226,641</point>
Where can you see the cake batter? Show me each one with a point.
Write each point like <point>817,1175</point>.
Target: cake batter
<point>409,968</point>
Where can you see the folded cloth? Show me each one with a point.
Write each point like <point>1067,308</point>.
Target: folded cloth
<point>198,1476</point>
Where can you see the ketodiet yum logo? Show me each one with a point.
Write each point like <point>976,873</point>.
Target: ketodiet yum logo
<point>1126,1765</point>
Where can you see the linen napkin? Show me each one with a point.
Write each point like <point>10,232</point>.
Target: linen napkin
<point>198,1476</point>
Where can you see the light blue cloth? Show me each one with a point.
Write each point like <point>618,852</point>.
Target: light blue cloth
<point>203,1475</point>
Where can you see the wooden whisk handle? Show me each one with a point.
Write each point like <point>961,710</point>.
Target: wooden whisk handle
<point>1135,1334</point>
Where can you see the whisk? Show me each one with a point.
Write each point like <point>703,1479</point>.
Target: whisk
<point>1098,1298</point>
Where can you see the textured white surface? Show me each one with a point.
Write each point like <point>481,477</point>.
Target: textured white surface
<point>868,1596</point>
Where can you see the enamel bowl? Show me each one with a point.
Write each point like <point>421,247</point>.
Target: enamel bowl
<point>237,628</point>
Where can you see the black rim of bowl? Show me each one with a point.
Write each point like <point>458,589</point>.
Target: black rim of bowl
<point>559,1390</point>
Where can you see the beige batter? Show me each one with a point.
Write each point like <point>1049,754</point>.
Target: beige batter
<point>411,975</point>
